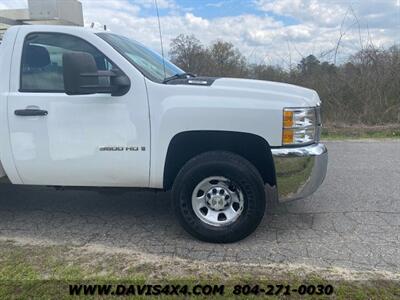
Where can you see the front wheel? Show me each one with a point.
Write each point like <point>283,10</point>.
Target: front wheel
<point>219,197</point>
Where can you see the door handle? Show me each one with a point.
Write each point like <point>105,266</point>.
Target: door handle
<point>30,112</point>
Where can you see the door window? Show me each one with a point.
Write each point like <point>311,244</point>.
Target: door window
<point>42,63</point>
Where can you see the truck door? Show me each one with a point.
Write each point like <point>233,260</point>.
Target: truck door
<point>82,140</point>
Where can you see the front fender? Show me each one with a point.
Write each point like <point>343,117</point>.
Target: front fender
<point>176,109</point>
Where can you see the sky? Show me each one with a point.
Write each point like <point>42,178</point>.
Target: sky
<point>277,32</point>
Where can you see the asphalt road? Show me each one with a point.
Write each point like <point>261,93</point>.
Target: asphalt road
<point>352,221</point>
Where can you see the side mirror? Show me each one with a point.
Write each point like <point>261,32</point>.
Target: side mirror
<point>81,76</point>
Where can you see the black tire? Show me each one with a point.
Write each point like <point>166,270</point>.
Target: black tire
<point>236,169</point>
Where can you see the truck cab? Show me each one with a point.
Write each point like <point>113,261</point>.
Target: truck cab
<point>85,108</point>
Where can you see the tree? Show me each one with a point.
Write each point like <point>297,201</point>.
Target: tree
<point>226,60</point>
<point>308,65</point>
<point>189,54</point>
<point>265,72</point>
<point>363,90</point>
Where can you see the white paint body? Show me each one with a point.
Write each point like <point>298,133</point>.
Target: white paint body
<point>63,147</point>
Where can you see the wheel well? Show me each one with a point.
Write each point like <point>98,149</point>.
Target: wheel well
<point>187,145</point>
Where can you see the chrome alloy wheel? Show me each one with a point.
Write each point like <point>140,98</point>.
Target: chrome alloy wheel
<point>217,201</point>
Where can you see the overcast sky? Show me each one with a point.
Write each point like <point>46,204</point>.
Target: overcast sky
<point>274,31</point>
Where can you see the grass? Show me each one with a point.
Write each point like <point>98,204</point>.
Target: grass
<point>341,132</point>
<point>45,272</point>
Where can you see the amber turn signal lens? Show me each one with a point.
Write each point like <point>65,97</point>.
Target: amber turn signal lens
<point>288,136</point>
<point>288,119</point>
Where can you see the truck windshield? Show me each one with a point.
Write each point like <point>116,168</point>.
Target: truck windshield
<point>147,61</point>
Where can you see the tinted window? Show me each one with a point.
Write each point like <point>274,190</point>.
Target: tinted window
<point>151,64</point>
<point>42,64</point>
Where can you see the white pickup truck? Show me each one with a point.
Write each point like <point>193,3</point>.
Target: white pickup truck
<point>83,108</point>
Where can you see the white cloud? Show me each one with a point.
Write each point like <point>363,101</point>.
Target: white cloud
<point>321,22</point>
<point>216,4</point>
<point>192,20</point>
<point>260,37</point>
<point>114,12</point>
<point>327,13</point>
<point>162,4</point>
<point>266,37</point>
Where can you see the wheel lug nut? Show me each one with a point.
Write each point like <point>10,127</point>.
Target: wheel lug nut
<point>214,191</point>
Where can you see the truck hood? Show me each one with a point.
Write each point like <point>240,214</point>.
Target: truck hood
<point>294,95</point>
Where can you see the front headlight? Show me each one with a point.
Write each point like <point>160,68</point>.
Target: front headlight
<point>299,126</point>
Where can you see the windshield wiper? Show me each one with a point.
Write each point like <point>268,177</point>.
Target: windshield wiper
<point>179,76</point>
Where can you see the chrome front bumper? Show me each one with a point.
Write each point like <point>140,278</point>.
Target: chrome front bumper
<point>299,171</point>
